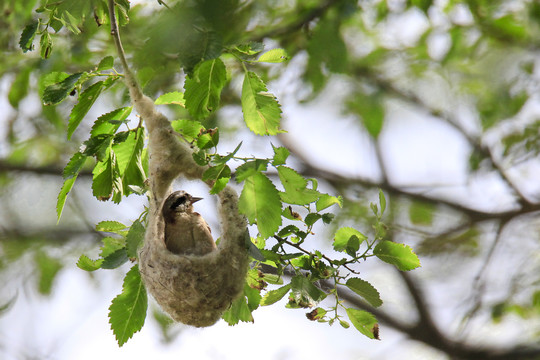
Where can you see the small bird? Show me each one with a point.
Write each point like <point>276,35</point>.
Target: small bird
<point>186,232</point>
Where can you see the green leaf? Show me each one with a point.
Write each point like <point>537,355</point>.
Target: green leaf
<point>421,213</point>
<point>203,88</point>
<point>87,264</point>
<point>312,218</point>
<point>110,122</point>
<point>45,45</point>
<point>129,160</point>
<point>262,112</point>
<point>208,139</point>
<point>280,155</point>
<point>260,203</point>
<point>71,171</point>
<point>134,238</point>
<point>363,321</point>
<point>274,56</point>
<point>274,296</point>
<point>325,201</point>
<point>106,63</point>
<point>115,259</point>
<point>55,93</point>
<point>366,290</point>
<point>175,97</point>
<point>296,191</point>
<point>19,87</point>
<point>371,110</point>
<point>191,129</point>
<point>250,168</point>
<point>400,255</point>
<point>27,36</point>
<point>382,201</point>
<point>343,235</point>
<point>86,100</point>
<point>62,196</point>
<point>106,178</point>
<point>239,311</point>
<point>110,226</point>
<point>221,174</point>
<point>250,49</point>
<point>304,293</point>
<point>48,267</point>
<point>128,310</point>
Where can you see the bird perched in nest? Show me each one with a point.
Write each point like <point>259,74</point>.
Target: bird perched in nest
<point>186,232</point>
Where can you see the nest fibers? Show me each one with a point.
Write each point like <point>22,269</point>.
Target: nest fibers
<point>194,290</point>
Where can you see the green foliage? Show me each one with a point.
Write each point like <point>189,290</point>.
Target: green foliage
<point>259,201</point>
<point>203,88</point>
<point>262,112</point>
<point>366,290</point>
<point>128,310</point>
<point>363,321</point>
<point>206,39</point>
<point>400,255</point>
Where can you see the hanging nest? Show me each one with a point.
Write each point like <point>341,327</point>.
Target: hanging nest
<point>194,290</point>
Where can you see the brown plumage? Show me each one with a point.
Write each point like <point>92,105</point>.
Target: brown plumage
<point>186,232</point>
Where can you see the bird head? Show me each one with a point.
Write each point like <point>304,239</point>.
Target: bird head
<point>178,201</point>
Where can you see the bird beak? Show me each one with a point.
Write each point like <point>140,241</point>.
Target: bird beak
<point>195,199</point>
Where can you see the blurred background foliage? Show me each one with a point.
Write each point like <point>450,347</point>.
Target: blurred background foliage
<point>408,74</point>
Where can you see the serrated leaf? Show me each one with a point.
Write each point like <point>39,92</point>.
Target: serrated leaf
<point>203,88</point>
<point>363,321</point>
<point>129,160</point>
<point>239,311</point>
<point>174,97</point>
<point>400,255</point>
<point>55,93</point>
<point>304,293</point>
<point>106,63</point>
<point>366,290</point>
<point>274,296</point>
<point>134,238</point>
<point>343,235</point>
<point>110,226</point>
<point>296,191</point>
<point>87,264</point>
<point>312,218</point>
<point>115,259</point>
<point>262,112</point>
<point>111,245</point>
<point>280,155</point>
<point>128,310</point>
<point>325,201</point>
<point>98,146</point>
<point>250,168</point>
<point>86,100</point>
<point>209,139</point>
<point>62,196</point>
<point>191,129</point>
<point>70,173</point>
<point>274,56</point>
<point>260,203</point>
<point>110,122</point>
<point>27,36</point>
<point>45,45</point>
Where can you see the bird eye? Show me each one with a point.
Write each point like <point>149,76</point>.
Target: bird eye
<point>182,199</point>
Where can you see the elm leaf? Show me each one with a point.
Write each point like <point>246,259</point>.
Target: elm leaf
<point>128,310</point>
<point>400,255</point>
